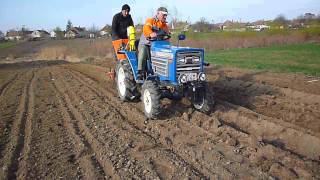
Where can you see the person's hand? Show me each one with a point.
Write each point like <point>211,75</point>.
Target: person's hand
<point>153,35</point>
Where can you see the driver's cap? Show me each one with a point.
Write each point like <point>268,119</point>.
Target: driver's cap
<point>163,10</point>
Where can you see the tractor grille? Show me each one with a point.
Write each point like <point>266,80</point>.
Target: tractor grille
<point>189,66</point>
<point>160,63</point>
<point>160,66</point>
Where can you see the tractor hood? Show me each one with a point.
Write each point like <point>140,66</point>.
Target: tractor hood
<point>166,47</point>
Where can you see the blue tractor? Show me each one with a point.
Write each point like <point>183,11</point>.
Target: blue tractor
<point>171,72</point>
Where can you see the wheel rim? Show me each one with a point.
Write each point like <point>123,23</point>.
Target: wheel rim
<point>147,101</point>
<point>121,81</point>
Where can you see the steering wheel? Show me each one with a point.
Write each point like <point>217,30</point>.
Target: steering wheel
<point>160,37</point>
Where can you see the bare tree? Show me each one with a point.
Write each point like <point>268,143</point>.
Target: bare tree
<point>139,21</point>
<point>93,29</point>
<point>202,25</point>
<point>174,15</point>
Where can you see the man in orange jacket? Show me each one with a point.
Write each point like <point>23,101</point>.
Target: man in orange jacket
<point>159,22</point>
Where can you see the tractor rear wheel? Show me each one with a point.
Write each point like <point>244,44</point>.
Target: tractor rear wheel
<point>150,96</point>
<point>126,85</point>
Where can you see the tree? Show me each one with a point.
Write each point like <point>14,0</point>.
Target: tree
<point>202,25</point>
<point>59,33</point>
<point>281,20</point>
<point>1,36</point>
<point>69,25</point>
<point>174,16</point>
<point>94,29</point>
<point>24,29</point>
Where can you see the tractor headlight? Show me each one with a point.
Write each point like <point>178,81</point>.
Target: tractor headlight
<point>181,60</point>
<point>202,77</point>
<point>183,78</point>
<point>196,59</point>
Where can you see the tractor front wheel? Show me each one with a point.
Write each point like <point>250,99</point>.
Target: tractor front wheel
<point>151,99</point>
<point>204,104</point>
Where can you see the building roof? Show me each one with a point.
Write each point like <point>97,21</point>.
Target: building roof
<point>228,23</point>
<point>106,28</point>
<point>43,31</point>
<point>78,29</point>
<point>72,31</point>
<point>13,33</point>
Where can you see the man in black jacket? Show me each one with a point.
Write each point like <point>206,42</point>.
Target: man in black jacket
<point>120,22</point>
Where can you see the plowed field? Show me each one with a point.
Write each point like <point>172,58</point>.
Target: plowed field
<point>64,121</point>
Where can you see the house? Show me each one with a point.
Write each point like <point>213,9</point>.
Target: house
<point>81,31</point>
<point>76,32</point>
<point>258,26</point>
<point>219,26</point>
<point>57,34</point>
<point>105,31</point>
<point>310,16</point>
<point>91,35</point>
<point>26,34</point>
<point>261,25</point>
<point>227,24</point>
<point>250,26</point>
<point>53,35</point>
<point>296,24</point>
<point>233,26</point>
<point>70,34</point>
<point>39,34</point>
<point>13,35</point>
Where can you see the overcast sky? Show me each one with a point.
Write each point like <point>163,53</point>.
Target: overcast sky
<point>39,14</point>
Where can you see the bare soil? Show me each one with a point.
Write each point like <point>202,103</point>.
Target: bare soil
<point>63,120</point>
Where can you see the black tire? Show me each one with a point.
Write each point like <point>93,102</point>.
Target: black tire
<point>128,90</point>
<point>151,94</point>
<point>206,104</point>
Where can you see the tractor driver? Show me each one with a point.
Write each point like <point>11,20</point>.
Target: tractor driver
<point>158,21</point>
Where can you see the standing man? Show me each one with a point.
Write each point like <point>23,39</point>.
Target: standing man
<point>159,21</point>
<point>120,22</point>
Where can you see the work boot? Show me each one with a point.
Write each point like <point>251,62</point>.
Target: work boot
<point>140,75</point>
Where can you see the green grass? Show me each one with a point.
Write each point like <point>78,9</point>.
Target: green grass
<point>312,31</point>
<point>298,58</point>
<point>7,44</point>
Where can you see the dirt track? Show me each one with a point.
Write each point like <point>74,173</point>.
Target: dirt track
<point>64,121</point>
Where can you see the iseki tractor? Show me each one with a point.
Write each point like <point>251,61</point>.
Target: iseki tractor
<point>171,72</point>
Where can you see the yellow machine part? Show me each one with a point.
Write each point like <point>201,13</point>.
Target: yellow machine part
<point>132,38</point>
